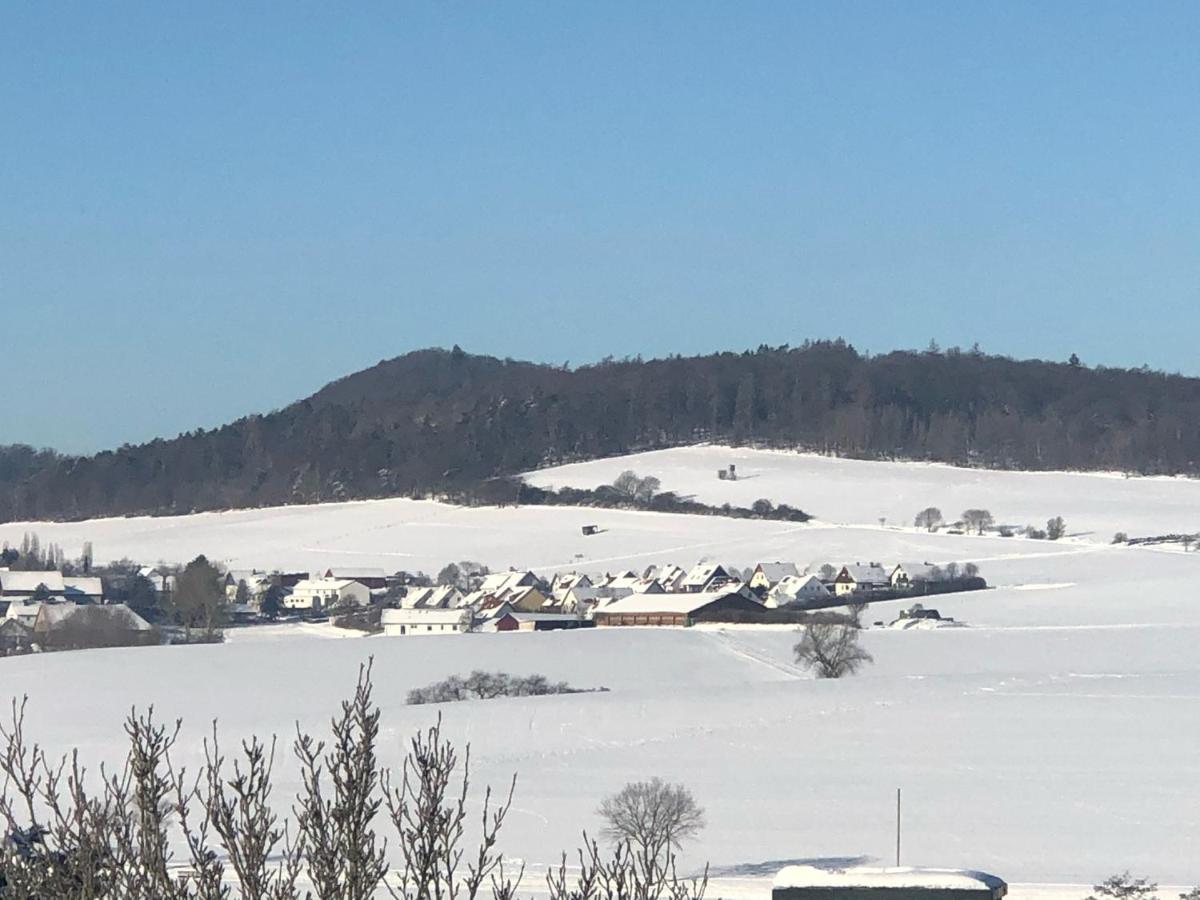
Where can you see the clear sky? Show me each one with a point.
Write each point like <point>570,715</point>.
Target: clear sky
<point>208,210</point>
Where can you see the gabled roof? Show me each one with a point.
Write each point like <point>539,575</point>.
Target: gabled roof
<point>27,582</point>
<point>89,586</point>
<point>702,573</point>
<point>51,615</point>
<point>667,603</point>
<point>444,596</point>
<point>916,571</point>
<point>324,584</point>
<point>793,584</point>
<point>777,571</point>
<point>502,581</point>
<point>861,574</point>
<point>424,616</point>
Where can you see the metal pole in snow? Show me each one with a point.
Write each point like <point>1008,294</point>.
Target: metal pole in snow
<point>897,827</point>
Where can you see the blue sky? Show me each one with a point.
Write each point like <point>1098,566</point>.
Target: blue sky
<point>208,210</point>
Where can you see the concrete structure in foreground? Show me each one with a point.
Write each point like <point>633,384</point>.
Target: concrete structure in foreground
<point>901,883</point>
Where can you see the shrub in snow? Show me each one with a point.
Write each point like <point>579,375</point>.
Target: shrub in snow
<point>488,685</point>
<point>831,651</point>
<point>1125,887</point>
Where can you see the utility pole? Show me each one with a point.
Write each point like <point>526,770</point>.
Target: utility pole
<point>897,827</point>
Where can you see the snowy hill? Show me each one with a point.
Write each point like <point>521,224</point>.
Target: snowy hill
<point>1095,506</point>
<point>1051,741</point>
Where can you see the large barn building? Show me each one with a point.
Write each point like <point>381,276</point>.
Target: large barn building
<point>675,609</point>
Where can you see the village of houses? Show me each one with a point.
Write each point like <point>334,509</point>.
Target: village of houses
<point>38,604</point>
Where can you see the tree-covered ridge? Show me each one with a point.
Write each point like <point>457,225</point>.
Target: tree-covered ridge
<point>438,420</point>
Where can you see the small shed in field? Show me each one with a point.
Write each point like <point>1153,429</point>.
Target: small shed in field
<point>900,883</point>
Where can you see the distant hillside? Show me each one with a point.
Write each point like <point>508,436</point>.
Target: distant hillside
<point>439,420</point>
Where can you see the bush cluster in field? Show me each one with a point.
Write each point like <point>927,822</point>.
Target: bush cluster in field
<point>488,685</point>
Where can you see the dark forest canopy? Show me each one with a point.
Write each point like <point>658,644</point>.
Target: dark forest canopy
<point>438,420</point>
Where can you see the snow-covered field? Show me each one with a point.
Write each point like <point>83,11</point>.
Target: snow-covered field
<point>1053,755</point>
<point>1053,742</point>
<point>845,490</point>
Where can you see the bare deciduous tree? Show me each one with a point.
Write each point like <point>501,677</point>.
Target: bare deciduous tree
<point>831,650</point>
<point>653,816</point>
<point>1055,528</point>
<point>978,519</point>
<point>929,518</point>
<point>345,858</point>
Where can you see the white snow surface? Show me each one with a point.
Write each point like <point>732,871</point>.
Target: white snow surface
<point>1051,742</point>
<point>1095,505</point>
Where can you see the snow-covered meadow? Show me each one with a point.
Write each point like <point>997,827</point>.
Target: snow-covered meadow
<point>1053,741</point>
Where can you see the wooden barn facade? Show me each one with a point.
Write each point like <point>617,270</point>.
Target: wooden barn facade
<point>679,610</point>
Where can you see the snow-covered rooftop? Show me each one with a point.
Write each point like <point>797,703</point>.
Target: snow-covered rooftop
<point>904,877</point>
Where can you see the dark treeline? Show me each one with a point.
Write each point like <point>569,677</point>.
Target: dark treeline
<point>436,421</point>
<point>511,490</point>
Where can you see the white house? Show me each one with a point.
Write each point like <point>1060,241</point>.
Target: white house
<point>858,577</point>
<point>767,575</point>
<point>425,621</point>
<point>23,585</point>
<point>706,577</point>
<point>904,574</point>
<point>371,578</point>
<point>565,582</point>
<point>801,589</point>
<point>317,594</point>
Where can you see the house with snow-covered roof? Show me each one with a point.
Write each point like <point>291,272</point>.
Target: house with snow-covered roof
<point>443,596</point>
<point>425,621</point>
<point>800,590</point>
<point>904,574</point>
<point>498,582</point>
<point>705,577</point>
<point>567,581</point>
<point>671,578</point>
<point>767,575</point>
<point>856,578</point>
<point>319,594</point>
<point>26,584</point>
<point>372,578</point>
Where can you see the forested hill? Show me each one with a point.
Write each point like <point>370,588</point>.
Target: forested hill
<point>435,419</point>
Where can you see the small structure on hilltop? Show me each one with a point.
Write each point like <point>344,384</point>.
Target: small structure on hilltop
<point>729,474</point>
<point>900,883</point>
